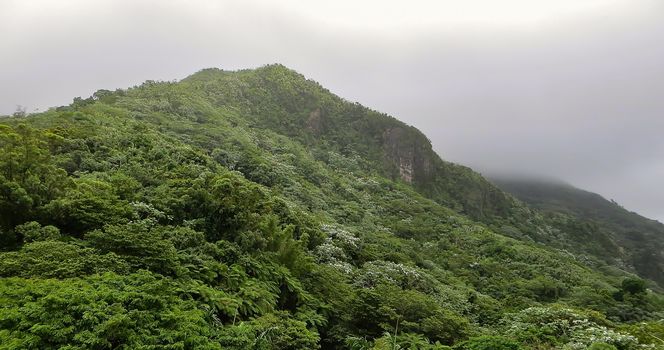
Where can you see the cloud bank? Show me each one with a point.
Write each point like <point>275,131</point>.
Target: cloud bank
<point>567,89</point>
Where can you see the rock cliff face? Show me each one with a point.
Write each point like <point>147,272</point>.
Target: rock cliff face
<point>408,154</point>
<point>410,157</point>
<point>315,122</point>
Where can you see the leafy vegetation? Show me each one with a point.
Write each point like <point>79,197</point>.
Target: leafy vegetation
<point>610,232</point>
<point>256,210</point>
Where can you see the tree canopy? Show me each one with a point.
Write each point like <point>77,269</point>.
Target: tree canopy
<point>256,210</point>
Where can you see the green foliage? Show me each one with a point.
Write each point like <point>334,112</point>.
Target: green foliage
<point>275,331</point>
<point>602,346</point>
<point>28,176</point>
<point>588,224</point>
<point>87,206</point>
<point>558,326</point>
<point>102,312</point>
<point>140,243</point>
<point>54,259</point>
<point>633,286</point>
<point>255,210</point>
<point>651,332</point>
<point>33,231</point>
<point>488,343</point>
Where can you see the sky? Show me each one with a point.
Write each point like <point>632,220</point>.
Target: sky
<point>566,89</point>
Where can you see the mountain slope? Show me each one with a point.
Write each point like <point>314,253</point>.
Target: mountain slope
<point>256,210</point>
<point>639,241</point>
<point>282,100</point>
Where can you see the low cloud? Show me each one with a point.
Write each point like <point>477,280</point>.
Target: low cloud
<point>577,96</point>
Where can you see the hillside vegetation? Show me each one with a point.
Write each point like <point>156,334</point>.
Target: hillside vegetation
<point>629,239</point>
<point>256,210</point>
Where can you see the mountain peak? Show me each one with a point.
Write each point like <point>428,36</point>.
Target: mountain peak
<point>264,70</point>
<point>254,208</point>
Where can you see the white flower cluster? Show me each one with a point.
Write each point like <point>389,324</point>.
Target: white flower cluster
<point>382,228</point>
<point>142,210</point>
<point>367,181</point>
<point>340,162</point>
<point>342,266</point>
<point>585,333</point>
<point>333,251</point>
<point>376,272</point>
<point>561,322</point>
<point>328,252</point>
<point>339,235</point>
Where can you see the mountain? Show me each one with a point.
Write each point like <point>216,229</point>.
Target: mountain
<point>283,101</point>
<point>254,209</point>
<point>637,241</point>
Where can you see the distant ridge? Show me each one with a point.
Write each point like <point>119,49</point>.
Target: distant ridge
<point>639,240</point>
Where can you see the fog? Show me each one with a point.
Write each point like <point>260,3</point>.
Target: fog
<point>569,89</point>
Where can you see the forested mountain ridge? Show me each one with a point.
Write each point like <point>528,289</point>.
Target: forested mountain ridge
<point>637,241</point>
<point>282,100</point>
<point>256,210</point>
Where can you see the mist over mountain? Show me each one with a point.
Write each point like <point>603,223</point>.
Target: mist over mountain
<point>569,88</point>
<point>639,240</point>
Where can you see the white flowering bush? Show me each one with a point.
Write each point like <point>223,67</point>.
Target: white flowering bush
<point>334,250</point>
<point>328,252</point>
<point>585,333</point>
<point>377,272</point>
<point>568,329</point>
<point>342,163</point>
<point>340,236</point>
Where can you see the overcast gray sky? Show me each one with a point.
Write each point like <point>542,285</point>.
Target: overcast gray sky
<point>572,89</point>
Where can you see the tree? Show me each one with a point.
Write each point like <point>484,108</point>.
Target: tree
<point>633,285</point>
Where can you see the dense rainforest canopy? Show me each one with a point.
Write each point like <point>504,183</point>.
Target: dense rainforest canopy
<point>256,210</point>
<point>617,235</point>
